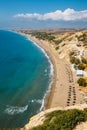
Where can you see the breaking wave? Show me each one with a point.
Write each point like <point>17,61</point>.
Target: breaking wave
<point>11,110</point>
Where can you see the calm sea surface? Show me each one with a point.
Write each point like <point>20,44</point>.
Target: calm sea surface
<point>24,79</point>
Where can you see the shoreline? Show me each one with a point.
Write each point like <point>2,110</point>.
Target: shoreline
<point>58,95</point>
<point>52,70</point>
<point>47,99</point>
<point>49,95</point>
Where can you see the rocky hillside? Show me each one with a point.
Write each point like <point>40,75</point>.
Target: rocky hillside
<point>74,41</point>
<point>40,118</point>
<point>63,40</point>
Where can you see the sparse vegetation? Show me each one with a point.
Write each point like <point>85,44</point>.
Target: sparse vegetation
<point>82,63</point>
<point>47,36</point>
<point>44,36</point>
<point>82,38</point>
<point>63,120</point>
<point>73,59</point>
<point>57,42</point>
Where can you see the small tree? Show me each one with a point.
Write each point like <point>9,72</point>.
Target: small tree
<point>57,42</point>
<point>72,60</point>
<point>81,82</point>
<point>84,60</point>
<point>57,48</point>
<point>71,53</point>
<point>77,61</point>
<point>81,67</point>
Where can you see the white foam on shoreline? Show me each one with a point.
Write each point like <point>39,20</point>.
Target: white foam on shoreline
<point>49,88</point>
<point>45,98</point>
<point>11,110</point>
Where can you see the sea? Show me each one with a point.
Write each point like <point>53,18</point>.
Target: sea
<point>26,76</point>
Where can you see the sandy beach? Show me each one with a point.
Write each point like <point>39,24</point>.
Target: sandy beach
<point>64,90</point>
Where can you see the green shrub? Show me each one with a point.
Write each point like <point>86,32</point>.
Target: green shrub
<point>74,60</point>
<point>84,60</point>
<point>81,82</point>
<point>57,41</point>
<point>77,61</point>
<point>71,53</point>
<point>44,36</point>
<point>57,48</point>
<point>81,67</point>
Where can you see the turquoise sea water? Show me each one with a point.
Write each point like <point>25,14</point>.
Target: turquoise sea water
<point>25,74</point>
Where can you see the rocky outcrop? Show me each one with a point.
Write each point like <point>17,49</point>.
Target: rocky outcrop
<point>82,126</point>
<point>39,118</point>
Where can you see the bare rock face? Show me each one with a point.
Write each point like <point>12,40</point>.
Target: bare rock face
<point>39,118</point>
<point>82,126</point>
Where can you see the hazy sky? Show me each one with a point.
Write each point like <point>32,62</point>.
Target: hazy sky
<point>43,13</point>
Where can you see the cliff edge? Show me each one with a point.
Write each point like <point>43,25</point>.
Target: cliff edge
<point>40,117</point>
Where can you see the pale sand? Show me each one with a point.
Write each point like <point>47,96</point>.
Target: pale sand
<point>60,88</point>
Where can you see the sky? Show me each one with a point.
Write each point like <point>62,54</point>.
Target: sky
<point>43,14</point>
